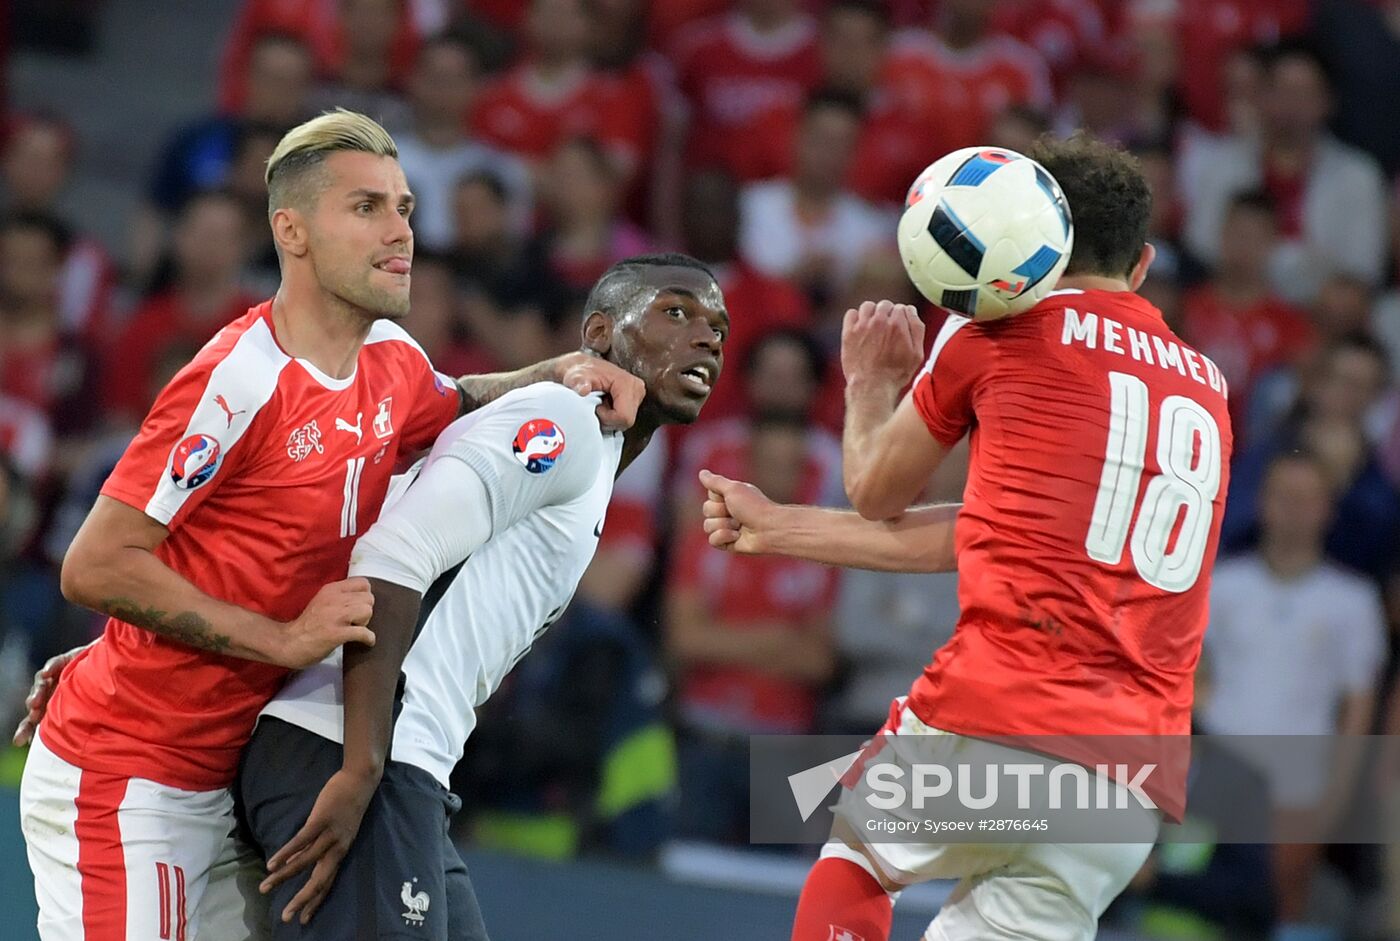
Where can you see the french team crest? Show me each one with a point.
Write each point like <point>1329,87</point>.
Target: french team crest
<point>538,444</point>
<point>194,461</point>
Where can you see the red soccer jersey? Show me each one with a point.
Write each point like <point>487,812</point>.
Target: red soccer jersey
<point>734,77</point>
<point>1245,341</point>
<point>517,113</point>
<point>963,88</point>
<point>265,471</point>
<point>1100,449</point>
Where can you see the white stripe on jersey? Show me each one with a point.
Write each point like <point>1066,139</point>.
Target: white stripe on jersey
<point>384,331</point>
<point>952,325</point>
<point>245,379</point>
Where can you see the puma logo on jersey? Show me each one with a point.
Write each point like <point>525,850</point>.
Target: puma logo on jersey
<point>222,402</point>
<point>343,425</point>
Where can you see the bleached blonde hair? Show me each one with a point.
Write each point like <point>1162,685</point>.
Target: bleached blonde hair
<point>299,155</point>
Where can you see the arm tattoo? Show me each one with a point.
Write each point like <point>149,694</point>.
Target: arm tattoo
<point>481,390</point>
<point>186,627</point>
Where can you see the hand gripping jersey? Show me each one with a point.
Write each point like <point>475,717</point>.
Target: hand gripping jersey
<point>537,465</point>
<point>265,470</point>
<point>1100,448</point>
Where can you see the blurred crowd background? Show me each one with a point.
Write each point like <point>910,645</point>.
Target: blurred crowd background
<point>773,139</point>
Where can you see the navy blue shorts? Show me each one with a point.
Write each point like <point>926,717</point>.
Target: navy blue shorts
<point>402,878</point>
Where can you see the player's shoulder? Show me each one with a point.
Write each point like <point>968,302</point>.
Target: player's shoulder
<point>387,338</point>
<point>243,358</point>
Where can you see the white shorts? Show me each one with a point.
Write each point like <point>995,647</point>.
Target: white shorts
<point>126,859</point>
<point>1026,891</point>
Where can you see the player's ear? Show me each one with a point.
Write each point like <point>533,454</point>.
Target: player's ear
<point>598,332</point>
<point>289,231</point>
<point>1139,272</point>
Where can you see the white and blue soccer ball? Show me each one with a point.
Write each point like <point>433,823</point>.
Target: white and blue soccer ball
<point>986,232</point>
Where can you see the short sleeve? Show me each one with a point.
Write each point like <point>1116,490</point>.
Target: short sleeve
<point>1363,644</point>
<point>534,447</point>
<point>193,439</point>
<point>942,393</point>
<point>437,401</point>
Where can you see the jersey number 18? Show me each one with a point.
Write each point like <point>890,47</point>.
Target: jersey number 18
<point>1188,453</point>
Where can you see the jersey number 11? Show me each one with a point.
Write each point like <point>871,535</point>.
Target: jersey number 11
<point>1188,453</point>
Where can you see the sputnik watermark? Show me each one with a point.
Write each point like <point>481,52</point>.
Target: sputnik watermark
<point>930,782</point>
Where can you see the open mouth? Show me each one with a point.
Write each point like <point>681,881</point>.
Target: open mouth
<point>698,379</point>
<point>394,265</point>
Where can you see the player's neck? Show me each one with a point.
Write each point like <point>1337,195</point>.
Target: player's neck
<point>636,439</point>
<point>326,333</point>
<point>1289,560</point>
<point>1092,282</point>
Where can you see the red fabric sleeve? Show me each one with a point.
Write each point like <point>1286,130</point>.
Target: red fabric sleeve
<point>186,448</point>
<point>437,403</point>
<point>943,391</point>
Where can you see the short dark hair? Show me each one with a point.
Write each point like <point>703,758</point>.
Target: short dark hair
<point>1274,55</point>
<point>1255,200</point>
<point>811,350</point>
<point>874,9</point>
<point>1108,197</point>
<point>1359,341</point>
<point>616,287</point>
<point>58,234</point>
<point>492,182</point>
<point>824,98</point>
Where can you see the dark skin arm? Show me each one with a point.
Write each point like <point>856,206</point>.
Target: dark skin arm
<point>371,676</point>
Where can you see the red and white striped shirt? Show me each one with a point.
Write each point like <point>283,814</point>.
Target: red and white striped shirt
<point>265,470</point>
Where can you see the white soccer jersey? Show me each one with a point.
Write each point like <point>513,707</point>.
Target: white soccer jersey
<point>522,485</point>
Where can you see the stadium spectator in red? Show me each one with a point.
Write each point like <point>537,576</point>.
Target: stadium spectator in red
<point>367,78</point>
<point>758,302</point>
<point>36,164</point>
<point>895,141</point>
<point>751,640</point>
<point>809,227</point>
<point>41,363</point>
<point>554,93</point>
<point>1210,32</point>
<point>964,73</point>
<point>1330,197</point>
<point>735,69</point>
<point>204,292</point>
<point>779,379</point>
<point>584,232</point>
<point>436,151</point>
<point>1235,318</point>
<point>1103,94</point>
<point>1064,32</point>
<point>507,292</point>
<point>1329,422</point>
<point>325,29</point>
<point>643,78</point>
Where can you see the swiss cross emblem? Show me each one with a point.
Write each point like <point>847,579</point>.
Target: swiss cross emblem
<point>304,440</point>
<point>383,419</point>
<point>843,934</point>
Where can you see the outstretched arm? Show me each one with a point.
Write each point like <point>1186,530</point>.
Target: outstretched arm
<point>582,372</point>
<point>739,518</point>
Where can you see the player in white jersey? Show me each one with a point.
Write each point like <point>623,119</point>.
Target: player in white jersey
<point>481,551</point>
